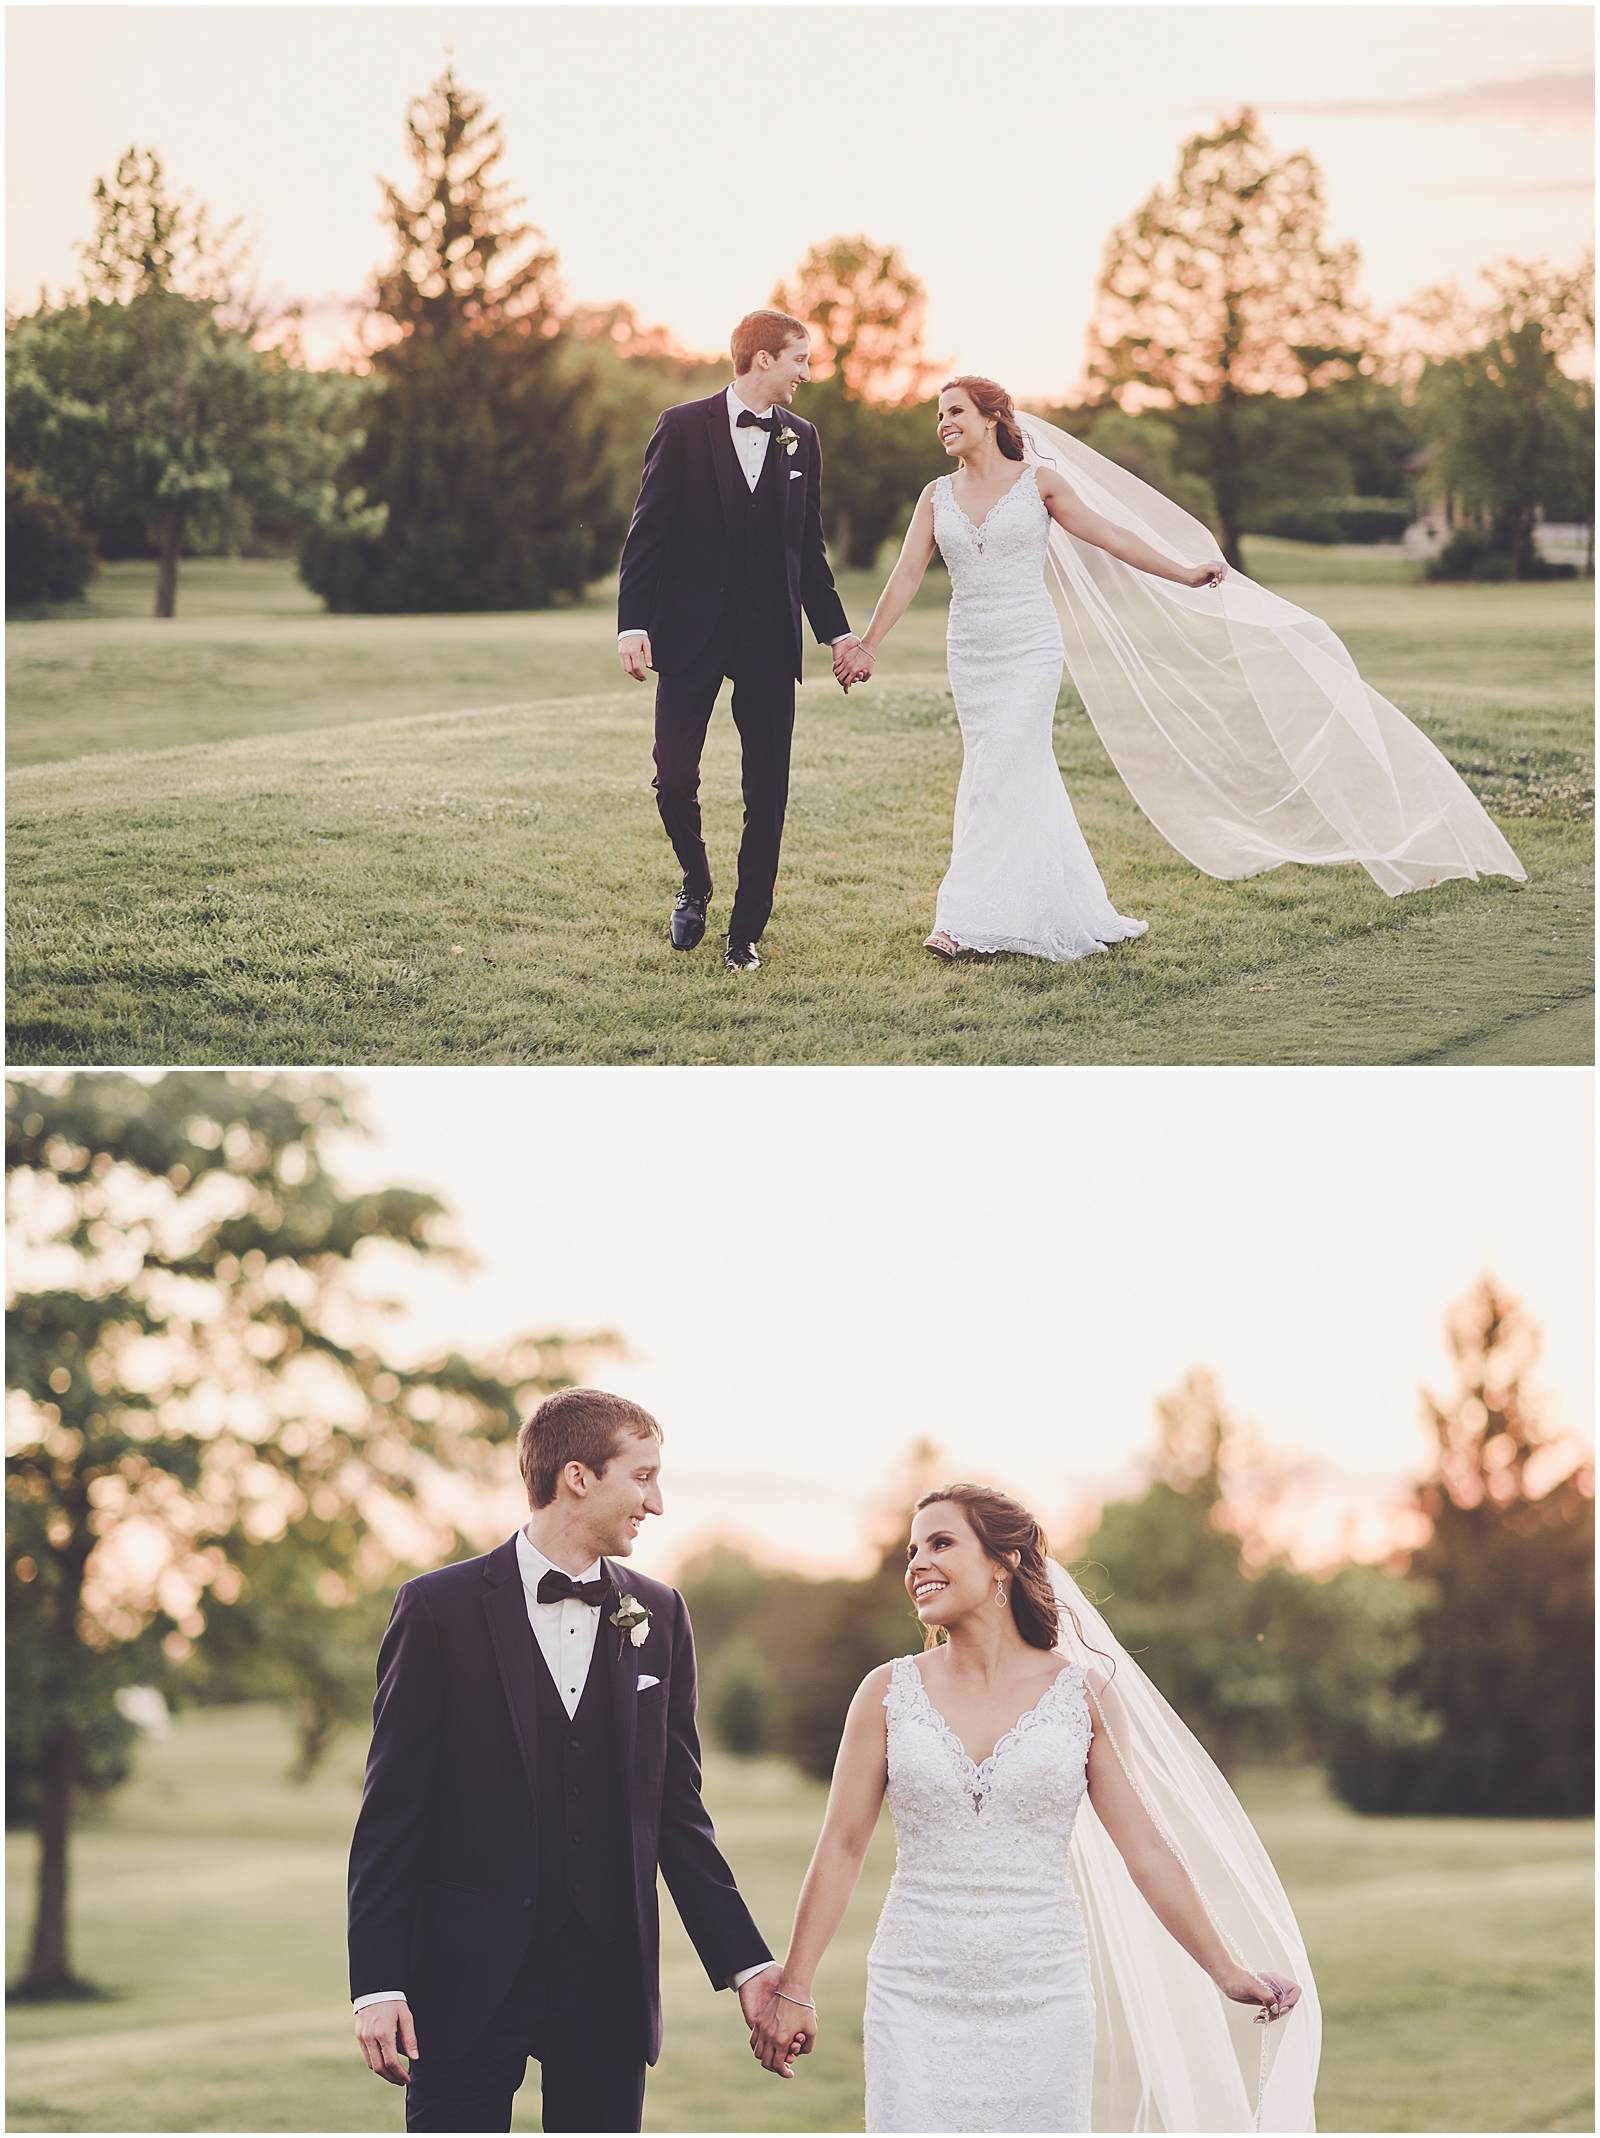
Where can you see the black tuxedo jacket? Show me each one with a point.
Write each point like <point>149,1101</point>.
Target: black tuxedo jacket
<point>674,573</point>
<point>444,1860</point>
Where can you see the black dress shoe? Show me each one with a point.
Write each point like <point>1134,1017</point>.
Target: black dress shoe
<point>740,957</point>
<point>688,921</point>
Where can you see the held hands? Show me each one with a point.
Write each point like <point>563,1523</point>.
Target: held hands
<point>633,651</point>
<point>377,2029</point>
<point>1275,1994</point>
<point>1211,574</point>
<point>784,2028</point>
<point>853,662</point>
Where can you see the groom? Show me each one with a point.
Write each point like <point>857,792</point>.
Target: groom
<point>724,552</point>
<point>534,1762</point>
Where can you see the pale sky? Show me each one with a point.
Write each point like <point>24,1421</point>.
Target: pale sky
<point>683,158</point>
<point>815,1267</point>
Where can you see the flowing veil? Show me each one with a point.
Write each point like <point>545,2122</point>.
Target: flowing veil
<point>1171,2052</point>
<point>1238,721</point>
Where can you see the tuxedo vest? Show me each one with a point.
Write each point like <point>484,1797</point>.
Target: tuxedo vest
<point>757,576</point>
<point>585,1824</point>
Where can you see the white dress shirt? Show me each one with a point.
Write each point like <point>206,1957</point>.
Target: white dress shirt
<point>566,1634</point>
<point>749,445</point>
<point>565,1631</point>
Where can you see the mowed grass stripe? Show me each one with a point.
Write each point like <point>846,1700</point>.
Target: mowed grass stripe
<point>491,886</point>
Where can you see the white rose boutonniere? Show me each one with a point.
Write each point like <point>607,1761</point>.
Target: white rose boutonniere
<point>788,440</point>
<point>632,1622</point>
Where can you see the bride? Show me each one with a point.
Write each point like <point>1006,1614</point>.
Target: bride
<point>1002,1994</point>
<point>1237,720</point>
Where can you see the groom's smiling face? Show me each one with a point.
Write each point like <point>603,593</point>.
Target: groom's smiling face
<point>625,1491</point>
<point>778,376</point>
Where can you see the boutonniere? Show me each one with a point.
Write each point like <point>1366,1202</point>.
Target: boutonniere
<point>788,440</point>
<point>632,1622</point>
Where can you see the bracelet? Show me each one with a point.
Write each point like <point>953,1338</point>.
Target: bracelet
<point>804,2002</point>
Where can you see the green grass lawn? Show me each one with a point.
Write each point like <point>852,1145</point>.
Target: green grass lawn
<point>258,833</point>
<point>1452,1955</point>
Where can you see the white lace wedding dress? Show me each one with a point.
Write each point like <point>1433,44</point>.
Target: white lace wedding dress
<point>979,2013</point>
<point>1021,876</point>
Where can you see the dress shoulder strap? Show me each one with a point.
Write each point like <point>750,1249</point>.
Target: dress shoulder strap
<point>904,1679</point>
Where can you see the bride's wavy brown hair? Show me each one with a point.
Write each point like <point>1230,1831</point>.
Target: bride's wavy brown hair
<point>1001,1525</point>
<point>992,400</point>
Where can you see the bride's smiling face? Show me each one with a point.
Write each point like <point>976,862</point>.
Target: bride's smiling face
<point>948,1572</point>
<point>962,427</point>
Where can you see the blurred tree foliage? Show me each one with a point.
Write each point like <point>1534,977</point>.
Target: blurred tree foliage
<point>484,445</point>
<point>149,410</point>
<point>633,373</point>
<point>869,391</point>
<point>1263,1662</point>
<point>1503,1658</point>
<point>48,555</point>
<point>1223,287</point>
<point>1510,430</point>
<point>212,1476</point>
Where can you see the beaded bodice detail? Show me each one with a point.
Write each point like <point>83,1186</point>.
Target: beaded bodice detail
<point>999,564</point>
<point>961,1821</point>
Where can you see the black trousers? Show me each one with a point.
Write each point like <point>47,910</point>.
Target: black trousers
<point>576,2005</point>
<point>757,654</point>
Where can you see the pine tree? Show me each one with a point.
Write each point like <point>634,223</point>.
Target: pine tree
<point>485,444</point>
<point>1504,1653</point>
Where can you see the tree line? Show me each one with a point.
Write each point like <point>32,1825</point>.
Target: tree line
<point>486,451</point>
<point>1456,1680</point>
<point>215,1481</point>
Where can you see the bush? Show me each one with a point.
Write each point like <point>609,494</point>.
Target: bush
<point>1336,519</point>
<point>48,555</point>
<point>1467,556</point>
<point>743,1708</point>
<point>1470,554</point>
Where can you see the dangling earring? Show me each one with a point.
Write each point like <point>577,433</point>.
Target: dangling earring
<point>999,1594</point>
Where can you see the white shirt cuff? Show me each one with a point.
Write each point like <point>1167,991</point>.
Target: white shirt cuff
<point>744,1974</point>
<point>621,635</point>
<point>378,1997</point>
<point>843,635</point>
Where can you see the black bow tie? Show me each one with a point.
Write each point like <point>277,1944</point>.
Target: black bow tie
<point>747,421</point>
<point>556,1587</point>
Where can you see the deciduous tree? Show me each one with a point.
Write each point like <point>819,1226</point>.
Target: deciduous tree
<point>1224,286</point>
<point>1511,425</point>
<point>150,406</point>
<point>868,399</point>
<point>200,1430</point>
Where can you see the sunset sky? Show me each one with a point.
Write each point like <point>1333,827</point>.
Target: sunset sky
<point>814,1268</point>
<point>683,158</point>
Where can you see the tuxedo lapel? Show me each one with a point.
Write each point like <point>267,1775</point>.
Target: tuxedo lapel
<point>624,1670</point>
<point>722,455</point>
<point>793,497</point>
<point>506,1609</point>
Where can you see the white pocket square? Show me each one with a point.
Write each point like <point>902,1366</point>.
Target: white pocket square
<point>795,474</point>
<point>645,1684</point>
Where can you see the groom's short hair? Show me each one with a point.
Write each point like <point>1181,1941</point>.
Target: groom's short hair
<point>772,331</point>
<point>586,1425</point>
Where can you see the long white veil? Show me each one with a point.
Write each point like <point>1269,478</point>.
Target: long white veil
<point>1171,2052</point>
<point>1238,721</point>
